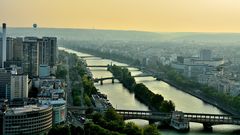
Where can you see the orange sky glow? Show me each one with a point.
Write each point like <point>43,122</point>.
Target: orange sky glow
<point>143,15</point>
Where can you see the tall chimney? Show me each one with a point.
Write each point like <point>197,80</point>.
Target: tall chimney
<point>4,46</point>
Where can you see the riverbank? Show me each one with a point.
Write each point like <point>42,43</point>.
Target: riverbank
<point>195,93</point>
<point>223,107</point>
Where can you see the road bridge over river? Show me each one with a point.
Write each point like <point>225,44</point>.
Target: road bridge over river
<point>113,78</point>
<point>178,120</point>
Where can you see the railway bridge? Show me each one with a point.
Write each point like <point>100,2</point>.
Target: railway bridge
<point>180,120</point>
<point>177,119</point>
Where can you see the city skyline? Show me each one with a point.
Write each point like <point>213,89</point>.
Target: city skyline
<point>156,15</point>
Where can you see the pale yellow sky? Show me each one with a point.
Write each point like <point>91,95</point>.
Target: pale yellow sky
<point>146,15</point>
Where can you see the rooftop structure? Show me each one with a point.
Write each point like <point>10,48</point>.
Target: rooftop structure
<point>25,109</point>
<point>4,46</point>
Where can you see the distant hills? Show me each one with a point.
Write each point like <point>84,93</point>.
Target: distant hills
<point>106,35</point>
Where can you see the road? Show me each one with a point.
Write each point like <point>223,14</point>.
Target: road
<point>71,118</point>
<point>69,85</point>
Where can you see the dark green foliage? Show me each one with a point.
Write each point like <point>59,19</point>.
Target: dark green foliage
<point>167,106</point>
<point>89,110</point>
<point>157,100</point>
<point>76,100</point>
<point>150,130</point>
<point>61,72</point>
<point>88,85</point>
<point>112,121</point>
<point>98,118</point>
<point>132,129</point>
<point>76,95</point>
<point>66,130</point>
<point>111,115</point>
<point>93,129</point>
<point>60,130</point>
<point>76,130</point>
<point>87,100</point>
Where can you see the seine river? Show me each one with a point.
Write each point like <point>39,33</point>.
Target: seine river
<point>122,99</point>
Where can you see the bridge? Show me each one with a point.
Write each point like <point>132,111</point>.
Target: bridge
<point>145,115</point>
<point>86,57</point>
<point>178,120</point>
<point>102,79</point>
<point>103,66</point>
<point>113,78</point>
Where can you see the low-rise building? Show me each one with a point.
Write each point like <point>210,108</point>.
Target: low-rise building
<point>27,120</point>
<point>59,109</point>
<point>44,71</point>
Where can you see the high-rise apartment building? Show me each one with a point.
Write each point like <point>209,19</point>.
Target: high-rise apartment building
<point>14,52</point>
<point>18,49</point>
<point>9,49</point>
<point>3,55</point>
<point>19,86</point>
<point>31,56</point>
<point>48,51</point>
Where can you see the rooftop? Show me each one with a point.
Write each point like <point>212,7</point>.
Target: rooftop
<point>25,109</point>
<point>52,102</point>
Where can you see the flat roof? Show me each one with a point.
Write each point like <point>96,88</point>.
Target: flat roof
<point>25,109</point>
<point>52,102</point>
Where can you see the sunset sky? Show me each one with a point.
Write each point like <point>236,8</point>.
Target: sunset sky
<point>143,15</point>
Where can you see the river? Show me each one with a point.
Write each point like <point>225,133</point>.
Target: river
<point>122,99</point>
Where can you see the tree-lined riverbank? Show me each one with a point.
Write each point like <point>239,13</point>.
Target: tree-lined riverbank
<point>142,93</point>
<point>202,92</point>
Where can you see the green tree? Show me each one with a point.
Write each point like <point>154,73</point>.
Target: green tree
<point>111,115</point>
<point>157,100</point>
<point>167,106</point>
<point>150,130</point>
<point>61,72</point>
<point>76,130</point>
<point>132,129</point>
<point>87,100</point>
<point>76,100</point>
<point>60,130</point>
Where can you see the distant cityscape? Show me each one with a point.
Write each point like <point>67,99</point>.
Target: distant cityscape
<point>208,64</point>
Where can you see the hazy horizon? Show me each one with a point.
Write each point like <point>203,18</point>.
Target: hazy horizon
<point>130,30</point>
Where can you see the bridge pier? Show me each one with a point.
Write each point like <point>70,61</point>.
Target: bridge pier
<point>101,82</point>
<point>151,122</point>
<point>112,80</point>
<point>179,122</point>
<point>207,126</point>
